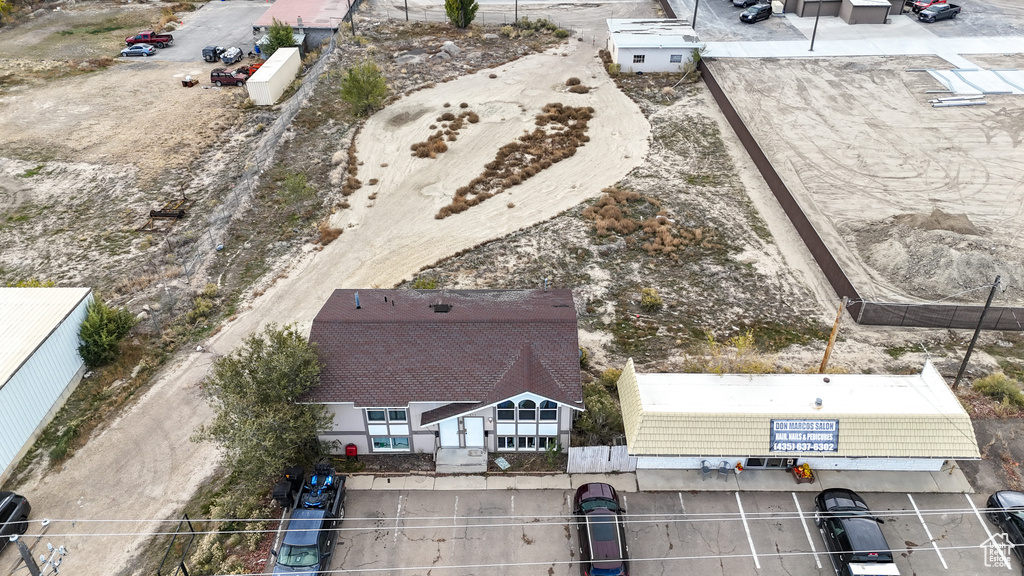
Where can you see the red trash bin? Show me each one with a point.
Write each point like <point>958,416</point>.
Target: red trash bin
<point>351,451</point>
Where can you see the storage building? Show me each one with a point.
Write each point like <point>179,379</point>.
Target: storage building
<point>274,77</point>
<point>829,421</point>
<point>39,362</point>
<point>318,20</point>
<point>651,45</point>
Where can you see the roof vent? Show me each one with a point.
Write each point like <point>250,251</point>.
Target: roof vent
<point>441,308</point>
<point>817,403</point>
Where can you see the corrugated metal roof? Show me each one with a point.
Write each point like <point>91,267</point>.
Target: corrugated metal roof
<point>879,416</point>
<point>652,33</point>
<point>314,13</point>
<point>27,317</point>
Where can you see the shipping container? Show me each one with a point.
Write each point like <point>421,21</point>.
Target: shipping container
<point>274,77</point>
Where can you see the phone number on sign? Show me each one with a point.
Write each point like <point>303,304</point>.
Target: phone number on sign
<point>804,447</point>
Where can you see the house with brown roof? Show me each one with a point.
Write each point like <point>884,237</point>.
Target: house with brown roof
<point>456,373</point>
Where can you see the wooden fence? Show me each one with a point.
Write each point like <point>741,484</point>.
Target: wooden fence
<point>600,459</point>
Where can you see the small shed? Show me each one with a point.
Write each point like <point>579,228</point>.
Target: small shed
<point>651,45</point>
<point>865,11</point>
<point>274,77</point>
<point>39,362</point>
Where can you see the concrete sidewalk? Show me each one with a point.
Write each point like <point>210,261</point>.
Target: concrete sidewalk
<point>949,480</point>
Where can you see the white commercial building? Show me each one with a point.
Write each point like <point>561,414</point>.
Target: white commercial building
<point>828,421</point>
<point>651,45</point>
<point>39,362</point>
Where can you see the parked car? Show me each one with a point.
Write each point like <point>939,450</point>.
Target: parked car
<point>14,512</point>
<point>745,3</point>
<point>222,76</point>
<point>602,535</point>
<point>231,55</point>
<point>138,50</point>
<point>150,37</point>
<point>1005,509</point>
<point>755,13</point>
<point>939,12</point>
<point>852,534</point>
<point>212,53</point>
<point>923,4</point>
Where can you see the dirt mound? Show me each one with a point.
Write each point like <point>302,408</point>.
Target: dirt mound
<point>939,220</point>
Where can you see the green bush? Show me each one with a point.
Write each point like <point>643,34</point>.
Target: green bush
<point>364,88</point>
<point>1000,387</point>
<point>601,422</point>
<point>584,357</point>
<point>650,302</point>
<point>610,378</point>
<point>424,283</point>
<point>101,333</point>
<point>614,69</point>
<point>561,33</point>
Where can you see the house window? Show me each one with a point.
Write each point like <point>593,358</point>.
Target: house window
<point>506,442</point>
<point>638,58</point>
<point>548,410</point>
<point>527,410</point>
<point>675,58</point>
<point>507,410</point>
<point>527,442</point>
<point>395,444</point>
<point>544,441</point>
<point>382,415</point>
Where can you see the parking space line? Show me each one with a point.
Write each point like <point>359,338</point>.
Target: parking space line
<point>681,506</point>
<point>398,516</point>
<point>803,521</point>
<point>455,521</point>
<point>750,539</point>
<point>928,532</point>
<point>1002,556</point>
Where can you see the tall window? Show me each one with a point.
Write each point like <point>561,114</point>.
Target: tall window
<point>526,425</point>
<point>507,410</point>
<point>388,429</point>
<point>527,410</point>
<point>548,410</point>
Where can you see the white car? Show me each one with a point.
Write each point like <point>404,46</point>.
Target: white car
<point>138,50</point>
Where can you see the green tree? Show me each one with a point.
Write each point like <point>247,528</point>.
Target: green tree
<point>279,35</point>
<point>461,12</point>
<point>101,333</point>
<point>601,421</point>
<point>364,88</point>
<point>31,282</point>
<point>254,392</point>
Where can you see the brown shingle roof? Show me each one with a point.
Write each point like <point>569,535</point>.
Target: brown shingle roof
<point>492,344</point>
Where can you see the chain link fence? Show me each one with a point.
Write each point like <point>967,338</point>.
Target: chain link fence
<point>493,17</point>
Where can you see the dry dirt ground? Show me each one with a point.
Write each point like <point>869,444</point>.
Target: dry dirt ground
<point>141,468</point>
<point>869,160</point>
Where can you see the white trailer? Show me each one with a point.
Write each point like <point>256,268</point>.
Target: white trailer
<point>274,77</point>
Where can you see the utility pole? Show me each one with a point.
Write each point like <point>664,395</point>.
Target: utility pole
<point>977,331</point>
<point>832,337</point>
<point>50,564</point>
<point>815,32</point>
<point>696,3</point>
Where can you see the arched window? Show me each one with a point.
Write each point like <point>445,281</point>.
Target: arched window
<point>548,410</point>
<point>507,410</point>
<point>527,410</point>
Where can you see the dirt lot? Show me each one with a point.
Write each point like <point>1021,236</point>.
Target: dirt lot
<point>670,145</point>
<point>848,134</point>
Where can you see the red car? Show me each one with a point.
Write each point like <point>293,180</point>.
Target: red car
<point>603,550</point>
<point>922,4</point>
<point>222,76</point>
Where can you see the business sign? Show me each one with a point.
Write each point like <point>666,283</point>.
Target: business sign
<point>805,436</point>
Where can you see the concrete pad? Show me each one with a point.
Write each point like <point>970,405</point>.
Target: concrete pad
<point>774,481</point>
<point>951,479</point>
<point>359,482</point>
<point>461,483</point>
<point>501,482</point>
<point>552,482</point>
<point>877,481</point>
<point>419,482</point>
<point>684,481</point>
<point>621,482</point>
<point>404,483</point>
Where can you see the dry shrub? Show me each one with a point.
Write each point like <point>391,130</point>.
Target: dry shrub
<point>611,212</point>
<point>451,138</point>
<point>327,233</point>
<point>581,89</point>
<point>433,126</point>
<point>464,105</point>
<point>446,117</point>
<point>373,182</point>
<point>511,205</point>
<point>492,76</point>
<point>447,104</point>
<point>574,81</point>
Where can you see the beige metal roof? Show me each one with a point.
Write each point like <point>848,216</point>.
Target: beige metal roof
<point>879,416</point>
<point>27,317</point>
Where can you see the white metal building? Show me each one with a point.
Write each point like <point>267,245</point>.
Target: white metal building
<point>274,77</point>
<point>829,421</point>
<point>650,45</point>
<point>39,362</point>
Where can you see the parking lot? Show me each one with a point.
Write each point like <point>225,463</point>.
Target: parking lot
<point>217,24</point>
<point>530,532</point>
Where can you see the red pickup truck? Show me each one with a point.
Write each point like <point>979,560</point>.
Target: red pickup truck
<point>150,37</point>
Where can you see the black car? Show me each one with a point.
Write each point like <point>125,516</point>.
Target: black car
<point>745,3</point>
<point>939,12</point>
<point>852,534</point>
<point>212,53</point>
<point>755,13</point>
<point>14,511</point>
<point>603,550</point>
<point>1006,510</point>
